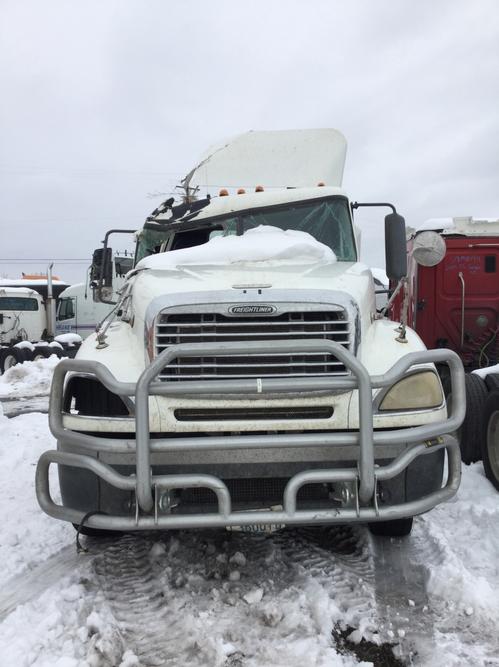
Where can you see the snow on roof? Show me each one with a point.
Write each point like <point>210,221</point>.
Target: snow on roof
<point>436,224</point>
<point>261,244</point>
<point>467,226</point>
<point>23,282</point>
<point>17,291</point>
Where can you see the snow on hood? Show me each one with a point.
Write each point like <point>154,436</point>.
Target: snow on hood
<point>261,244</point>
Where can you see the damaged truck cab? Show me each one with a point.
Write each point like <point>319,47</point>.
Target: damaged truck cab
<point>245,379</point>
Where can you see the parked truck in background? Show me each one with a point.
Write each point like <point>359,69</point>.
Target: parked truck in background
<point>79,309</point>
<point>246,379</point>
<point>27,323</point>
<point>452,294</point>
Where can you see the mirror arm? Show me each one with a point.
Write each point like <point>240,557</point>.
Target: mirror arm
<point>354,205</point>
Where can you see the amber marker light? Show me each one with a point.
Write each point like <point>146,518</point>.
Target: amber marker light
<point>223,192</point>
<point>241,191</point>
<point>259,188</point>
<point>321,184</point>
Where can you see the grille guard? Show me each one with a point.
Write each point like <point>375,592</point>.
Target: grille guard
<point>423,440</point>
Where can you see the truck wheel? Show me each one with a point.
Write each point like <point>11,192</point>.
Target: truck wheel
<point>45,351</point>
<point>395,528</point>
<point>490,440</point>
<point>9,357</point>
<point>39,353</point>
<point>470,433</point>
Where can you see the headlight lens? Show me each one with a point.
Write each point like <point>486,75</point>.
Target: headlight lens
<point>415,392</point>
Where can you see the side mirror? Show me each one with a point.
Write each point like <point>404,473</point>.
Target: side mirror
<point>395,247</point>
<point>101,270</point>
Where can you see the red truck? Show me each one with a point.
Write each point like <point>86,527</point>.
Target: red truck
<point>451,299</point>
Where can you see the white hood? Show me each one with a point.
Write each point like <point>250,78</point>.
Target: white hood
<point>155,289</point>
<point>264,263</point>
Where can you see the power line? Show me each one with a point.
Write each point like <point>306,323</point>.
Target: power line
<point>65,260</point>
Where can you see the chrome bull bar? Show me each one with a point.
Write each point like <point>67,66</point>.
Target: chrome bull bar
<point>423,439</point>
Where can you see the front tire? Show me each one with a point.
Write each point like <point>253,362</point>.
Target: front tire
<point>470,433</point>
<point>394,528</point>
<point>43,352</point>
<point>490,440</point>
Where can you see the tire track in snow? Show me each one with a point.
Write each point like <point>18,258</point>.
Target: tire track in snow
<point>125,573</point>
<point>206,597</point>
<point>339,559</point>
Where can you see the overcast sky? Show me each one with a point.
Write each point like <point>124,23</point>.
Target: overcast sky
<point>105,102</point>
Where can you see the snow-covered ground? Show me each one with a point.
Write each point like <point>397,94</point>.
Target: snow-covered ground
<point>32,378</point>
<point>211,598</point>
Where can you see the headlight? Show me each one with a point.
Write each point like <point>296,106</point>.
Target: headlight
<point>415,392</point>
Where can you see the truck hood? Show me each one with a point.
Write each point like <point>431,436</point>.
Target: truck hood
<point>158,288</point>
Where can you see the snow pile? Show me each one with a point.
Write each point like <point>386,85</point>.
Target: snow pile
<point>30,378</point>
<point>261,244</point>
<point>65,630</point>
<point>464,575</point>
<point>69,339</point>
<point>27,534</point>
<point>483,372</point>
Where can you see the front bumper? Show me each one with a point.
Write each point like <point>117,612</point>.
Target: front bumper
<point>363,476</point>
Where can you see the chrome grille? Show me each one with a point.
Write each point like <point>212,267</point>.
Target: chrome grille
<point>176,328</point>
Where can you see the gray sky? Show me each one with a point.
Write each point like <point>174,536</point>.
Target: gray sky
<point>106,101</point>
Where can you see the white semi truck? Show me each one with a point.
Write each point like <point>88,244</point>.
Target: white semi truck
<point>27,324</point>
<point>247,380</point>
<point>79,310</point>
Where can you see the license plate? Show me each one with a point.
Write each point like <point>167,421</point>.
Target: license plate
<point>259,528</point>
